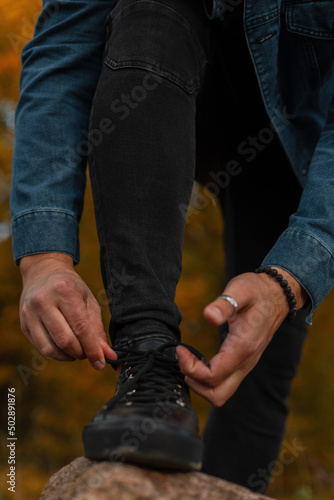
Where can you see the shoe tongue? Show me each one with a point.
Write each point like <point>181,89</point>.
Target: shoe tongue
<point>152,343</point>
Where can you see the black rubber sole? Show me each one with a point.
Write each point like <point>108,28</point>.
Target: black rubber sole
<point>153,445</point>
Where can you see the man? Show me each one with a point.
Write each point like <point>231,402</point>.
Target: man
<point>246,94</point>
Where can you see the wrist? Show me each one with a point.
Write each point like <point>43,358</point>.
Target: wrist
<point>30,262</point>
<point>295,295</point>
<point>300,293</point>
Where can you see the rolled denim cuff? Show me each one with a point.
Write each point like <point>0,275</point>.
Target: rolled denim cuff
<point>309,261</point>
<point>43,231</point>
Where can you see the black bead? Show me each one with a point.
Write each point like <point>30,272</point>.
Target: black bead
<point>286,288</point>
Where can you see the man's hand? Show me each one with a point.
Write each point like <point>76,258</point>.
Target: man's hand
<point>58,312</point>
<point>262,306</point>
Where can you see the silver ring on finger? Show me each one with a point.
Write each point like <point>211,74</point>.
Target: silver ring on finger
<point>231,300</point>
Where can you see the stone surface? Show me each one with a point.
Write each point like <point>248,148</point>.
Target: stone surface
<point>84,479</point>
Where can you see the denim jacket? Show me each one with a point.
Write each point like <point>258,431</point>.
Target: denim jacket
<point>291,43</point>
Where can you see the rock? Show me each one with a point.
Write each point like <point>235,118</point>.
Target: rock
<point>84,479</point>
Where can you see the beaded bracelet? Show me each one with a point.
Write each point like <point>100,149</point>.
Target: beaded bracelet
<point>286,289</point>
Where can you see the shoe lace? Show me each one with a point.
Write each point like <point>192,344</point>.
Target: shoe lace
<point>151,374</point>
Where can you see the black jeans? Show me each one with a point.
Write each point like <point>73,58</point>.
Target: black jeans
<point>178,98</point>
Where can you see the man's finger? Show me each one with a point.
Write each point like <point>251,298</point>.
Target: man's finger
<point>94,312</point>
<point>220,394</point>
<point>232,355</point>
<point>80,323</point>
<point>218,312</point>
<point>62,335</point>
<point>41,339</point>
<point>191,365</point>
<point>221,310</point>
<point>230,358</point>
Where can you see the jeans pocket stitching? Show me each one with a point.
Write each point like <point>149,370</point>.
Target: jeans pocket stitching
<point>119,13</point>
<point>188,87</point>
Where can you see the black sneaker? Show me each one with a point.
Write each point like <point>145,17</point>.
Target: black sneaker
<point>150,420</point>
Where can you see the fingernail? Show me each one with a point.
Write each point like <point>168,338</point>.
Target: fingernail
<point>217,313</point>
<point>98,365</point>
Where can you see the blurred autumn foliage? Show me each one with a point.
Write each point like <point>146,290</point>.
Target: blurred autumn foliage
<point>54,400</point>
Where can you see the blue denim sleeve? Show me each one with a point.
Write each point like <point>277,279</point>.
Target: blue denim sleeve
<point>306,248</point>
<point>60,69</point>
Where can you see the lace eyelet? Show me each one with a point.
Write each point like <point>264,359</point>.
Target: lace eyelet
<point>180,403</point>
